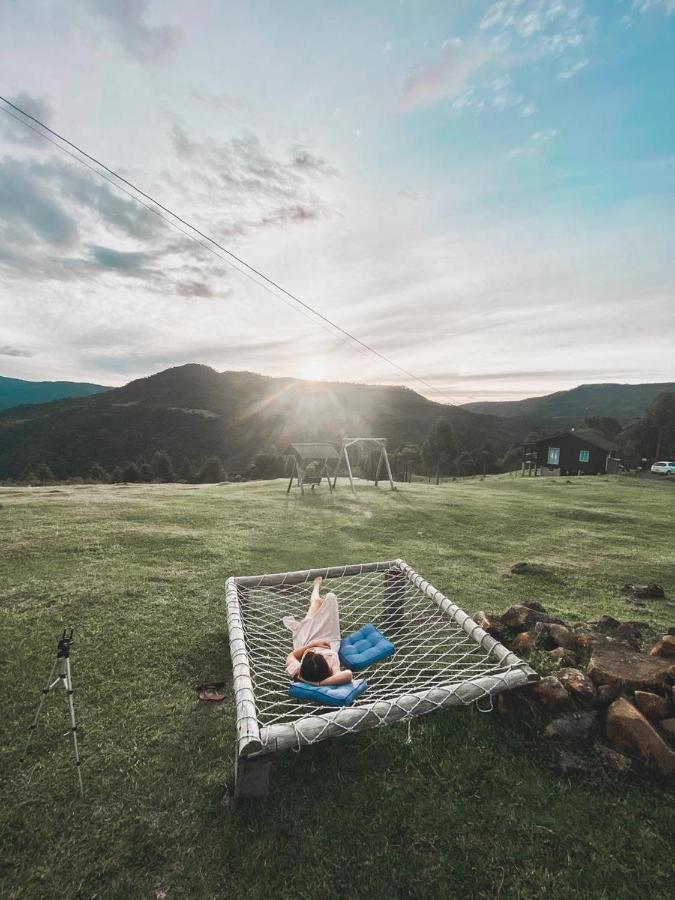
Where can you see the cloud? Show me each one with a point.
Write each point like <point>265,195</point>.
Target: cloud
<point>32,207</point>
<point>529,109</point>
<point>443,79</point>
<point>196,289</point>
<point>133,263</point>
<point>665,6</point>
<point>251,187</point>
<point>566,74</point>
<point>126,20</point>
<point>16,132</point>
<point>14,351</point>
<point>535,146</point>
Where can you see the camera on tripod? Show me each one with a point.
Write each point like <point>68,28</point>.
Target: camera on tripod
<point>64,644</point>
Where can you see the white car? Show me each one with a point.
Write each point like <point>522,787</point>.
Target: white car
<point>664,467</point>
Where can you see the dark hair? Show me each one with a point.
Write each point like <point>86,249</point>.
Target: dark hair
<point>314,667</point>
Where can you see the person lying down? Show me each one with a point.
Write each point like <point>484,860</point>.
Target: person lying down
<point>316,641</point>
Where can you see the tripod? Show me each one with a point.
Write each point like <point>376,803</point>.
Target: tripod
<point>62,662</point>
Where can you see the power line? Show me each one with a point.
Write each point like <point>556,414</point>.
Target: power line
<point>211,241</point>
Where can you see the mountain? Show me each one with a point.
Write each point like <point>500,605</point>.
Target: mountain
<point>193,411</point>
<point>15,392</point>
<point>621,401</point>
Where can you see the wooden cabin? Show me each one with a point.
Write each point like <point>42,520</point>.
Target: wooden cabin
<point>580,451</point>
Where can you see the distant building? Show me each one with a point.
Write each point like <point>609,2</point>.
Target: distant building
<point>581,451</point>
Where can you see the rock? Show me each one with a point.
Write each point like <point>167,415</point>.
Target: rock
<point>534,604</point>
<point>551,693</point>
<point>573,763</point>
<point>628,730</point>
<point>629,633</point>
<point>665,647</point>
<point>606,693</point>
<point>584,635</point>
<point>524,642</point>
<point>563,636</point>
<point>579,685</point>
<point>646,591</point>
<point>564,657</point>
<point>668,727</point>
<point>671,631</point>
<point>612,760</point>
<point>607,623</point>
<point>519,568</point>
<point>652,706</point>
<point>576,727</point>
<point>614,663</point>
<point>522,617</point>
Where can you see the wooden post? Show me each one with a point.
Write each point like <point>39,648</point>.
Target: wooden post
<point>379,466</point>
<point>349,469</point>
<point>305,576</point>
<point>386,462</point>
<point>248,731</point>
<point>301,478</point>
<point>290,483</point>
<point>252,776</point>
<point>394,598</point>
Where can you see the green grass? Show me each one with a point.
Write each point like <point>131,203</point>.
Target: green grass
<point>472,807</point>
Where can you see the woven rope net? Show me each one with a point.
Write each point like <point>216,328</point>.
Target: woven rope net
<point>435,656</point>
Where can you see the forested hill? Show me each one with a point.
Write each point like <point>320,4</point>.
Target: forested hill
<point>195,412</point>
<point>16,392</point>
<point>621,401</point>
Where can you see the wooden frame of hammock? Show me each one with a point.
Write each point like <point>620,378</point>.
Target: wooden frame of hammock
<point>255,744</point>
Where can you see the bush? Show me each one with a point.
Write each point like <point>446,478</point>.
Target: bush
<point>131,473</point>
<point>212,471</point>
<point>116,475</point>
<point>44,474</point>
<point>145,472</point>
<point>98,473</point>
<point>162,467</point>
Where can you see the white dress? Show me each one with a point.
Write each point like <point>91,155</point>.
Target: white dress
<point>323,625</point>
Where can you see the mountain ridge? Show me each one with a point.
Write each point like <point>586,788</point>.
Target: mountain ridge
<point>19,392</point>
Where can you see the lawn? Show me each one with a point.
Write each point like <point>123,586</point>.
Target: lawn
<point>473,806</point>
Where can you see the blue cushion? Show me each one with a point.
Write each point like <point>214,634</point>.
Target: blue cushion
<point>329,695</point>
<point>365,647</point>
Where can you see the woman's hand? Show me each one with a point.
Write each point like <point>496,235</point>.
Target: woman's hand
<point>317,581</point>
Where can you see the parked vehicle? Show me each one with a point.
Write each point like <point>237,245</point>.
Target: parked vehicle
<point>664,467</point>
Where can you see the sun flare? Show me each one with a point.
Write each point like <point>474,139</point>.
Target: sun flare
<point>312,370</point>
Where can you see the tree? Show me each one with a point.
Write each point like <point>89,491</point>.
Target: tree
<point>405,460</point>
<point>439,449</point>
<point>145,472</point>
<point>266,465</point>
<point>131,473</point>
<point>44,474</point>
<point>606,425</point>
<point>162,467</point>
<point>660,420</point>
<point>212,471</point>
<point>97,473</point>
<point>116,475</point>
<point>185,471</point>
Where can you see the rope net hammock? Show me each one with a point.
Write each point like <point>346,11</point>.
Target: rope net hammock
<point>442,656</point>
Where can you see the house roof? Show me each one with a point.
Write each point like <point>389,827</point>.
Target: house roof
<point>587,435</point>
<point>315,451</point>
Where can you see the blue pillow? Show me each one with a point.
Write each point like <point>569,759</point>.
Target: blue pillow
<point>365,647</point>
<point>328,695</point>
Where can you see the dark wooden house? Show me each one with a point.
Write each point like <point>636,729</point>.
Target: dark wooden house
<point>581,451</point>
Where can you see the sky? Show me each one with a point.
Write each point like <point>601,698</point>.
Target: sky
<point>484,192</point>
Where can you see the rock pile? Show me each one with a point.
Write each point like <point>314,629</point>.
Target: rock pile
<point>610,691</point>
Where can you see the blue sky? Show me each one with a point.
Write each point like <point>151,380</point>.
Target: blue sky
<point>482,191</point>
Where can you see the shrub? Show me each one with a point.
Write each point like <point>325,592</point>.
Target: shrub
<point>212,471</point>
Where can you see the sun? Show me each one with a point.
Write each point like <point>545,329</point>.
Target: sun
<point>312,370</point>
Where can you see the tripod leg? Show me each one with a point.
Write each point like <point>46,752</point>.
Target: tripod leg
<point>45,690</point>
<point>68,684</point>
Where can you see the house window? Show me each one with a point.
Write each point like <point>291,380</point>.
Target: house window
<point>553,456</point>
<point>584,455</point>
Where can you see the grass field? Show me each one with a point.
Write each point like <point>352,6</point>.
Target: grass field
<point>472,807</point>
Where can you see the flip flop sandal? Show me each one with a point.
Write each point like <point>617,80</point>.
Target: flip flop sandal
<point>211,694</point>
